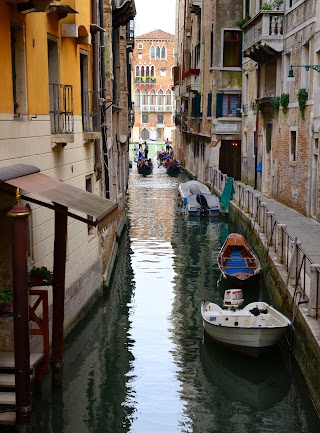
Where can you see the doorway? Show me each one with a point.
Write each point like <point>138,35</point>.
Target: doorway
<point>314,179</point>
<point>230,158</point>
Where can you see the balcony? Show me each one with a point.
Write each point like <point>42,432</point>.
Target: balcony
<point>145,80</point>
<point>193,83</point>
<point>91,117</point>
<point>263,36</point>
<point>156,108</point>
<point>61,113</point>
<point>130,35</point>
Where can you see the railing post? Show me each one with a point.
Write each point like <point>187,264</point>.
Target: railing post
<point>255,209</point>
<point>263,221</point>
<point>314,290</point>
<point>294,260</point>
<point>269,233</point>
<point>281,229</point>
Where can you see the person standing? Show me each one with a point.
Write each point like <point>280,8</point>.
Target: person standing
<point>167,143</point>
<point>146,150</point>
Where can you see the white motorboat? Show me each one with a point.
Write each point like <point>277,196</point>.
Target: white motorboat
<point>253,329</point>
<point>197,199</point>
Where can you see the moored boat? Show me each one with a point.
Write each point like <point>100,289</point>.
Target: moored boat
<point>197,199</point>
<point>237,260</point>
<point>144,166</point>
<point>252,330</point>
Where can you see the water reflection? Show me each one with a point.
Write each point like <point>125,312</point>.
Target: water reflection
<point>138,362</point>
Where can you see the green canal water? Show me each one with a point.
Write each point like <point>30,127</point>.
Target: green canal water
<point>139,361</point>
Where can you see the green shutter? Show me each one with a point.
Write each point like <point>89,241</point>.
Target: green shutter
<point>219,105</point>
<point>209,107</point>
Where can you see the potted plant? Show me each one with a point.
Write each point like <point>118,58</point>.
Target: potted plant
<point>242,22</point>
<point>302,99</point>
<point>40,276</point>
<point>275,102</point>
<point>284,102</point>
<point>266,7</point>
<point>6,300</point>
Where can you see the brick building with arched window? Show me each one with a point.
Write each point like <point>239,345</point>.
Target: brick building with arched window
<point>154,104</point>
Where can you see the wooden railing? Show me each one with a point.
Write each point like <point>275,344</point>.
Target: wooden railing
<point>302,273</point>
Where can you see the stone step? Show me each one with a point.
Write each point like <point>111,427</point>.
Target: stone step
<point>7,397</point>
<point>7,360</point>
<point>7,380</point>
<point>7,418</point>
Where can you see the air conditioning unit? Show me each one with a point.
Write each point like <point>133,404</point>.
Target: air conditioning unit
<point>245,108</point>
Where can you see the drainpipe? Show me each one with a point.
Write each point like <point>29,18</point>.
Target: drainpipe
<point>95,81</point>
<point>257,135</point>
<point>104,104</point>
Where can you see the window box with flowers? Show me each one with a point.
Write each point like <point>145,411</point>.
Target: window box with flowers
<point>40,276</point>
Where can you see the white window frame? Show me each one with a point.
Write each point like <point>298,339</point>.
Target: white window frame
<point>291,160</point>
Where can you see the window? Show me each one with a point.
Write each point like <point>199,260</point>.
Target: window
<point>140,46</point>
<point>140,56</point>
<point>18,69</point>
<point>137,98</point>
<point>228,105</point>
<point>152,71</point>
<point>158,53</point>
<point>152,98</point>
<point>163,72</point>
<point>144,97</point>
<point>144,134</point>
<point>305,60</point>
<point>159,134</point>
<point>209,107</point>
<point>196,106</point>
<point>163,53</point>
<point>160,98</point>
<point>232,48</point>
<point>137,71</point>
<point>160,118</point>
<point>145,118</point>
<point>293,146</point>
<point>168,97</point>
<point>152,52</point>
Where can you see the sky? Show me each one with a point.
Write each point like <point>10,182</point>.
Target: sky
<point>155,14</point>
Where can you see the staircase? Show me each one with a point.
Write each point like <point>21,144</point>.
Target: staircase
<point>39,361</point>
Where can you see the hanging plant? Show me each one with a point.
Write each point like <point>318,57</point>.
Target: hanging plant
<point>242,22</point>
<point>284,102</point>
<point>302,99</point>
<point>275,102</point>
<point>266,7</point>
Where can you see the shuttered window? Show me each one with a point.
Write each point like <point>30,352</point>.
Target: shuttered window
<point>228,105</point>
<point>209,107</point>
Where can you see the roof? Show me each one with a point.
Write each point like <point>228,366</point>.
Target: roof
<point>156,35</point>
<point>29,179</point>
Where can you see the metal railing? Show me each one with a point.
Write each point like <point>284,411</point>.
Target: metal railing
<point>91,114</point>
<point>303,275</point>
<point>61,108</point>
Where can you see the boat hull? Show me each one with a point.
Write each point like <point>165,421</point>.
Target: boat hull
<point>145,169</point>
<point>243,331</point>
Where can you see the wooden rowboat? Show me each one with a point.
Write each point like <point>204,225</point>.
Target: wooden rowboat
<point>237,260</point>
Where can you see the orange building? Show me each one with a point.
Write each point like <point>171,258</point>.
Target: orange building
<point>154,105</point>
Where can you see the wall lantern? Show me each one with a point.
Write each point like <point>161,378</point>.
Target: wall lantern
<point>307,68</point>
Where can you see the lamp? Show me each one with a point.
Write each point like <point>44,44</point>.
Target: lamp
<point>307,68</point>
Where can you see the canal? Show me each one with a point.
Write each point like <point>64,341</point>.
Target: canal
<point>139,363</point>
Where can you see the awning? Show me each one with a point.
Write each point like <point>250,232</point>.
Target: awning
<point>29,179</point>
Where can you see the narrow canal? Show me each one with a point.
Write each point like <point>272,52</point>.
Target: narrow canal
<point>139,363</point>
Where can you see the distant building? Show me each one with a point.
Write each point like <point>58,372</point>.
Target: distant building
<point>154,105</point>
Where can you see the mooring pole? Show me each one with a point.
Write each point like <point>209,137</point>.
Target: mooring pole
<point>59,272</point>
<point>19,214</point>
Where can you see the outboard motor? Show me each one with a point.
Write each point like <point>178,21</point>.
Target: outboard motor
<point>204,209</point>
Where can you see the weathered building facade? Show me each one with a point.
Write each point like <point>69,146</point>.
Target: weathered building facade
<point>208,86</point>
<point>154,104</point>
<point>280,111</point>
<point>64,132</point>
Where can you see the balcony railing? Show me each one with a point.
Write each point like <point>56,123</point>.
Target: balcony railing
<point>263,36</point>
<point>61,108</point>
<point>156,108</point>
<point>130,34</point>
<point>91,117</point>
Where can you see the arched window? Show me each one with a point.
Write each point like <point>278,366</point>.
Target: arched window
<point>137,71</point>
<point>163,52</point>
<point>158,53</point>
<point>147,71</point>
<point>160,97</point>
<point>144,97</point>
<point>152,97</point>
<point>137,98</point>
<point>168,97</point>
<point>152,71</point>
<point>142,71</point>
<point>152,52</point>
<point>144,134</point>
